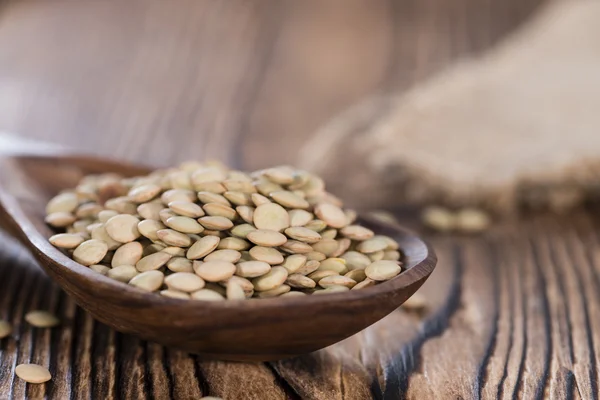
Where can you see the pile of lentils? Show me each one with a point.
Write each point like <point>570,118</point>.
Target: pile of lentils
<point>205,232</point>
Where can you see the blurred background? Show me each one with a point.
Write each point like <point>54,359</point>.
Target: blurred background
<point>463,103</point>
<point>247,82</point>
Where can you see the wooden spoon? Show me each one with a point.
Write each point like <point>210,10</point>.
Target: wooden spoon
<point>255,330</point>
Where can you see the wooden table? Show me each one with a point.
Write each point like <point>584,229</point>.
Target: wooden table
<point>514,313</point>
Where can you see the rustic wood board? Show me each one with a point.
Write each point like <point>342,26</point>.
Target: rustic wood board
<point>513,314</point>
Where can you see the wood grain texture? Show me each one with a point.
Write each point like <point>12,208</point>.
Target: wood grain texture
<point>513,314</point>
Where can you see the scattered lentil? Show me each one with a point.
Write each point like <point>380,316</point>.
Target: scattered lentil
<point>33,373</point>
<point>41,319</point>
<point>5,329</point>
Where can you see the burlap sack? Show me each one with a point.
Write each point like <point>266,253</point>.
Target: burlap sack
<point>517,126</point>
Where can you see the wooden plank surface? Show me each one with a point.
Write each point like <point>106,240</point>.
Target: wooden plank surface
<point>514,313</point>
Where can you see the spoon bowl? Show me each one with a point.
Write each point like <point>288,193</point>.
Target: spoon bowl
<point>256,330</point>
